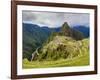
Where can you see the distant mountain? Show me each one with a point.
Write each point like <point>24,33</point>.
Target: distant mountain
<point>81,28</point>
<point>33,36</point>
<point>85,30</point>
<point>57,29</point>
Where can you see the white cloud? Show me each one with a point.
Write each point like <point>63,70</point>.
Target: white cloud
<point>52,19</point>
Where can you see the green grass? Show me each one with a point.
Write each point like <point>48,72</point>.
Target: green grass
<point>77,61</point>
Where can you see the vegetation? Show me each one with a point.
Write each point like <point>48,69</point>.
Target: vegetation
<point>33,36</point>
<point>78,61</point>
<point>68,47</point>
<point>63,47</point>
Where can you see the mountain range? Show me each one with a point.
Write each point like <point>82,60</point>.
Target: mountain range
<point>35,36</point>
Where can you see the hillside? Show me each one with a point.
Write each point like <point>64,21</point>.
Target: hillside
<point>63,47</point>
<point>84,29</point>
<point>68,43</point>
<point>68,53</point>
<point>33,36</point>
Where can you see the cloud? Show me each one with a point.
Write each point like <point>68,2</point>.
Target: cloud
<point>28,16</point>
<point>55,19</point>
<point>77,18</point>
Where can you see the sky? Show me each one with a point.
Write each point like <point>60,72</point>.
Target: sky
<point>55,19</point>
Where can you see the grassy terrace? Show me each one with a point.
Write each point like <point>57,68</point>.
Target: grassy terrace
<point>77,61</point>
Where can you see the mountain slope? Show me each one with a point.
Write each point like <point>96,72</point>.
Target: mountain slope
<point>68,43</point>
<point>33,36</point>
<point>85,30</point>
<point>68,31</point>
<point>63,47</point>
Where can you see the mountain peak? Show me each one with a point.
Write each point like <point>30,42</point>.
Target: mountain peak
<point>65,25</point>
<point>65,29</point>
